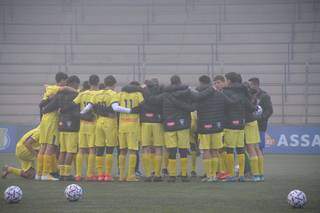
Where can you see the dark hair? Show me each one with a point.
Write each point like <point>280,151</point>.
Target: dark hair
<point>102,86</point>
<point>73,79</point>
<point>94,80</point>
<point>234,77</point>
<point>219,78</point>
<point>85,85</point>
<point>136,83</point>
<point>60,76</point>
<point>204,79</point>
<point>110,80</point>
<point>255,81</point>
<point>175,80</point>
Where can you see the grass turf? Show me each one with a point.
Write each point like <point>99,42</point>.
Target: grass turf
<point>283,174</point>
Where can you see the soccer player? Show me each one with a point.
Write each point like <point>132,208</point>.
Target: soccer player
<point>87,132</point>
<point>129,129</point>
<point>46,159</point>
<point>69,124</point>
<point>152,138</point>
<point>26,151</point>
<point>105,104</point>
<point>235,122</point>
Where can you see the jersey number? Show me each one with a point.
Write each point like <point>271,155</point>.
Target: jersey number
<point>128,103</point>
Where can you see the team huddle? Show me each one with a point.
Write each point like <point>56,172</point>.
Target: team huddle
<point>96,128</point>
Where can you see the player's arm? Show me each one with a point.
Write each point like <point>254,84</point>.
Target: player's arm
<point>198,96</point>
<point>267,107</point>
<point>53,105</point>
<point>28,144</point>
<point>183,105</point>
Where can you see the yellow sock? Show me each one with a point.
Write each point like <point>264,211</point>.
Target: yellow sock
<point>215,166</point>
<point>99,165</point>
<point>54,165</point>
<point>46,164</point>
<point>193,160</point>
<point>172,167</point>
<point>132,165</point>
<point>224,160</point>
<point>146,160</point>
<point>79,164</point>
<point>241,161</point>
<point>14,171</point>
<point>39,164</point>
<point>157,165</point>
<point>261,165</point>
<point>152,156</point>
<point>61,170</point>
<point>207,166</point>
<point>184,166</point>
<point>67,170</point>
<point>230,163</point>
<point>222,165</point>
<point>122,166</point>
<point>91,164</point>
<point>109,163</point>
<point>254,165</point>
<point>165,160</point>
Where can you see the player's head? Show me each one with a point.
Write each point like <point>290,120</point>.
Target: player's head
<point>61,78</point>
<point>94,81</point>
<point>204,80</point>
<point>110,81</point>
<point>85,86</point>
<point>233,77</point>
<point>73,81</point>
<point>219,82</point>
<point>175,80</point>
<point>254,83</point>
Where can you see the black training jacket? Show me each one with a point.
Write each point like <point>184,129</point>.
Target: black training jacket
<point>151,112</point>
<point>264,100</point>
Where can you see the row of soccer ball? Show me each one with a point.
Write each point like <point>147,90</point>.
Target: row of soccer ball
<point>13,194</point>
<point>74,192</point>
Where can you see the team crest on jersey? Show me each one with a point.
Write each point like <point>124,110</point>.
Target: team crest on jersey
<point>69,123</point>
<point>182,121</point>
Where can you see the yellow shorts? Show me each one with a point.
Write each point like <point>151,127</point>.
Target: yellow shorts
<point>49,130</point>
<point>26,158</point>
<point>129,140</point>
<point>87,134</point>
<point>234,138</point>
<point>106,132</point>
<point>251,133</point>
<point>69,142</point>
<point>152,134</point>
<point>210,141</point>
<point>177,139</point>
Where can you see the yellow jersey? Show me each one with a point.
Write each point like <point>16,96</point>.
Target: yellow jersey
<point>129,122</point>
<point>50,91</point>
<point>35,135</point>
<point>105,97</point>
<point>85,97</point>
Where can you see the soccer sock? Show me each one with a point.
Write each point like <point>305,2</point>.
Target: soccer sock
<point>222,165</point>
<point>157,165</point>
<point>39,164</point>
<point>146,160</point>
<point>79,164</point>
<point>165,160</point>
<point>61,170</point>
<point>90,168</point>
<point>152,156</point>
<point>261,165</point>
<point>224,160</point>
<point>122,166</point>
<point>132,165</point>
<point>230,163</point>
<point>241,161</point>
<point>99,164</point>
<point>46,164</point>
<point>254,165</point>
<point>14,171</point>
<point>184,166</point>
<point>109,163</point>
<point>67,170</point>
<point>215,165</point>
<point>54,165</point>
<point>172,167</point>
<point>193,160</point>
<point>207,166</point>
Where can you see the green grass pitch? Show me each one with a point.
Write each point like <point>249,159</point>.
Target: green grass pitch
<point>283,174</point>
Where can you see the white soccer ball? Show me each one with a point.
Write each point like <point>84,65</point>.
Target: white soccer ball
<point>297,199</point>
<point>73,192</point>
<point>13,194</point>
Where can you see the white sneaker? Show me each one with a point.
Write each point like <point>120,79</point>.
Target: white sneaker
<point>37,177</point>
<point>49,177</point>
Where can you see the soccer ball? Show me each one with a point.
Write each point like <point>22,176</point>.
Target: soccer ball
<point>73,192</point>
<point>297,199</point>
<point>13,194</point>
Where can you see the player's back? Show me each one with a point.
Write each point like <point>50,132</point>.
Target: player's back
<point>34,133</point>
<point>104,99</point>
